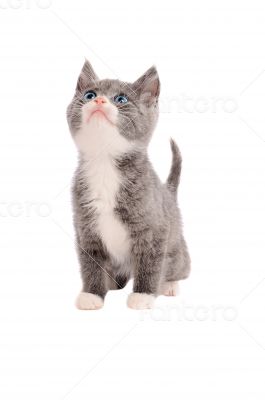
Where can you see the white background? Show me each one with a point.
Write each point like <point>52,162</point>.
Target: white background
<point>207,343</point>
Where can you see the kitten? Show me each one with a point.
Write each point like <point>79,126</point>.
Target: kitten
<point>127,222</point>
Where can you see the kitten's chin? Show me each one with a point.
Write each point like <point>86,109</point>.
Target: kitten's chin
<point>98,138</point>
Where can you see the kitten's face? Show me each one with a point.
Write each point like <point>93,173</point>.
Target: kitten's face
<point>131,109</point>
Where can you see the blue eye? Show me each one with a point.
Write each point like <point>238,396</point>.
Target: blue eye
<point>121,99</point>
<point>90,95</point>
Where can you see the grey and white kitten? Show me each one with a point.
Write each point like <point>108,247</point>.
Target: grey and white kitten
<point>127,222</point>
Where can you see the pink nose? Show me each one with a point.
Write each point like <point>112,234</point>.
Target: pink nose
<point>100,100</point>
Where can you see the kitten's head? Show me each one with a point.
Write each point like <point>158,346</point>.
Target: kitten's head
<point>131,109</point>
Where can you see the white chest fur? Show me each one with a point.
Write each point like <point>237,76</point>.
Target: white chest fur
<point>103,183</point>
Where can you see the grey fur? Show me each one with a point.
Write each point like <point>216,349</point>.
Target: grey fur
<point>144,205</point>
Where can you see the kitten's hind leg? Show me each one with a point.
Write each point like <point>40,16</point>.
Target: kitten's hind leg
<point>177,268</point>
<point>169,288</point>
<point>122,281</point>
<point>118,274</point>
<point>117,282</point>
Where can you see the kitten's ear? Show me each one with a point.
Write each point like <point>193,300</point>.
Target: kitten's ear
<point>86,77</point>
<point>148,85</point>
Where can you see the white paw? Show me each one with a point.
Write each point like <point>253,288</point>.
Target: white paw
<point>140,301</point>
<point>170,288</point>
<point>89,301</point>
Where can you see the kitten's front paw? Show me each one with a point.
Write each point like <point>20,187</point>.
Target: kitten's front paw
<point>140,301</point>
<point>89,301</point>
<point>170,288</point>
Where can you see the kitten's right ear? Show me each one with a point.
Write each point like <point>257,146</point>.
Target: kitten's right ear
<point>148,86</point>
<point>86,77</point>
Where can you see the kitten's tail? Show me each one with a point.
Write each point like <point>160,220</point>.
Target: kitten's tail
<point>174,174</point>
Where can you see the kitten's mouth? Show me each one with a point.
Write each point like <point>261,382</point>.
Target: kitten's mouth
<point>98,112</point>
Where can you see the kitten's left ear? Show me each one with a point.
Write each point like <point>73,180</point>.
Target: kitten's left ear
<point>148,85</point>
<point>86,77</point>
